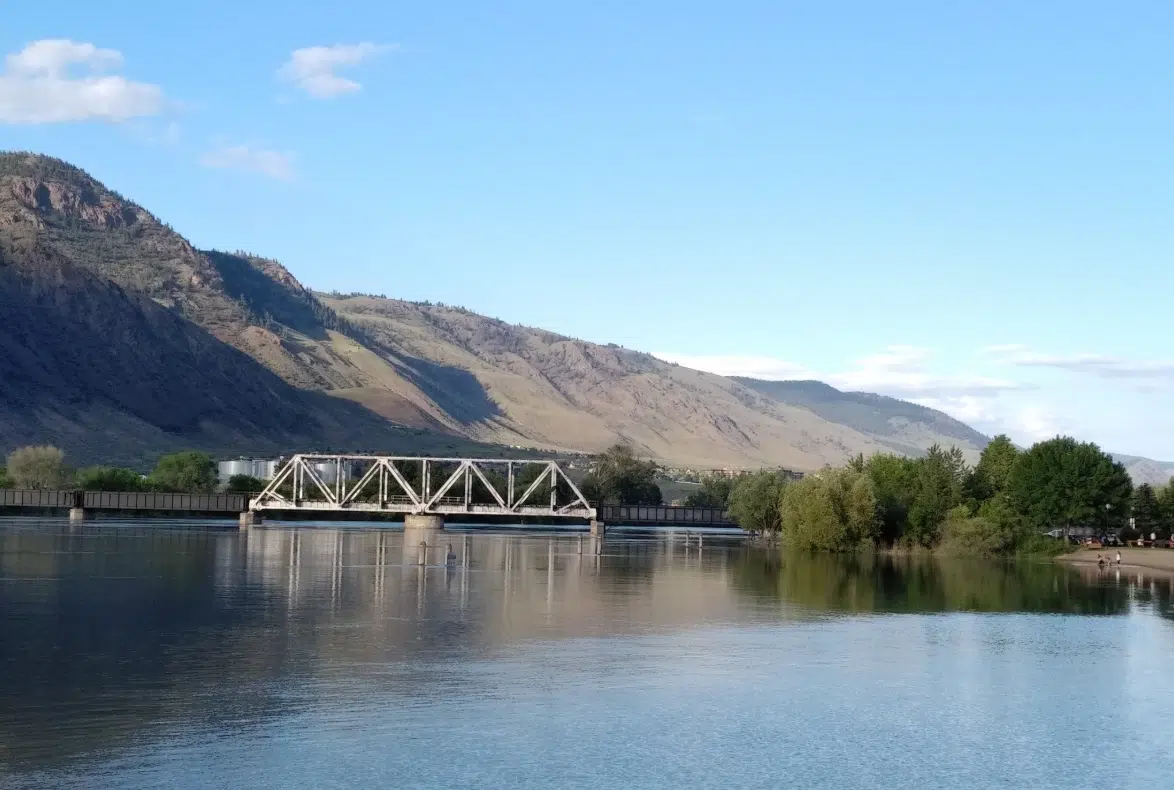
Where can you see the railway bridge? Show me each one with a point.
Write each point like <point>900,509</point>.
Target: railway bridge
<point>424,491</point>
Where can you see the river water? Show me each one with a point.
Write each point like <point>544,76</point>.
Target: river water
<point>155,654</point>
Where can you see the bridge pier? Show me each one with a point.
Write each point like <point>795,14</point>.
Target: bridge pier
<point>598,529</point>
<point>420,528</point>
<point>249,518</point>
<point>77,515</point>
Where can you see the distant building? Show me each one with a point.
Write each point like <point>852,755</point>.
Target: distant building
<point>260,468</point>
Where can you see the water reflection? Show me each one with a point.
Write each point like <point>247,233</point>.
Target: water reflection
<point>118,635</point>
<point>871,583</point>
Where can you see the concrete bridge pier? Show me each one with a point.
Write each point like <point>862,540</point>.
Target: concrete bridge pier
<point>598,529</point>
<point>422,538</point>
<point>249,519</point>
<point>77,515</point>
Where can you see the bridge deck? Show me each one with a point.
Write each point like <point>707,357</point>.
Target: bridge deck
<point>233,504</point>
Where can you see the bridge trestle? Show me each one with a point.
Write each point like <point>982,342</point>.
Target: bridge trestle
<point>404,484</point>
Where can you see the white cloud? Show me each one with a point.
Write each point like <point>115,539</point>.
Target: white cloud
<point>1037,423</point>
<point>1092,364</point>
<point>255,160</point>
<point>37,86</point>
<point>1118,408</point>
<point>313,68</point>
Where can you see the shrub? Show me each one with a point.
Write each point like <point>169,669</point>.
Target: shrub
<point>107,478</point>
<point>37,467</point>
<point>189,473</point>
<point>244,484</point>
<point>834,510</point>
<point>755,500</point>
<point>979,536</point>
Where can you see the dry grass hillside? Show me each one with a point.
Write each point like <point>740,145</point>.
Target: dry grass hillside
<point>120,338</point>
<point>560,392</point>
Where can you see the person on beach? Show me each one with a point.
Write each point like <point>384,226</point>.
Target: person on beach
<point>1100,562</point>
<point>1118,557</point>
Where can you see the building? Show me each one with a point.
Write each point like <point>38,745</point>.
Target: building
<point>260,468</point>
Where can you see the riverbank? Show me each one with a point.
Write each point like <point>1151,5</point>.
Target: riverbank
<point>1151,559</point>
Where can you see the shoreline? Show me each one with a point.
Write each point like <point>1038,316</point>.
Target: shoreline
<point>1131,558</point>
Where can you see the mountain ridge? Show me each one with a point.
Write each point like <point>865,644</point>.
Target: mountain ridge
<point>348,370</point>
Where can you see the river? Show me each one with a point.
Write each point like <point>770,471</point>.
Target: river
<point>149,654</point>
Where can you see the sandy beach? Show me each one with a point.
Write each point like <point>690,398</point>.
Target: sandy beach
<point>1153,559</point>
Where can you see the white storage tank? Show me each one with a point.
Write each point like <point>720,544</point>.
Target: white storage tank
<point>260,468</point>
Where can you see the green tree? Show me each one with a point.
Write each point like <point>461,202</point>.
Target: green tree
<point>190,473</point>
<point>755,501</point>
<point>714,492</point>
<point>5,480</point>
<point>833,510</point>
<point>244,484</point>
<point>1065,483</point>
<point>936,490</point>
<point>996,462</point>
<point>981,535</point>
<point>619,477</point>
<point>1166,507</point>
<point>1147,512</point>
<point>106,478</point>
<point>892,481</point>
<point>37,467</point>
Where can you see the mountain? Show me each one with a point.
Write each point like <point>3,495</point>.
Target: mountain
<point>557,391</point>
<point>119,340</point>
<point>903,427</point>
<point>1146,470</point>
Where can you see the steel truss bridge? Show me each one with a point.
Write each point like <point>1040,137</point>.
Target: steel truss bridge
<point>423,486</point>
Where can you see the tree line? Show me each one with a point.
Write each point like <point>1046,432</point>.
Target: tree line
<point>1002,505</point>
<point>44,467</point>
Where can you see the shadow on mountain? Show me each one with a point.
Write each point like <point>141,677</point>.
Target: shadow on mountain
<point>268,298</point>
<point>271,294</point>
<point>109,375</point>
<point>863,411</point>
<point>455,390</point>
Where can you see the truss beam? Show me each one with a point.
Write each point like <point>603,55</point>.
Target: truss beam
<point>384,483</point>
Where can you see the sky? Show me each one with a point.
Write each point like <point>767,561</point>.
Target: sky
<point>962,204</point>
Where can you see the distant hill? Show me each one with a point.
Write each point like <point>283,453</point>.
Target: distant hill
<point>120,340</point>
<point>1146,470</point>
<point>903,427</point>
<point>558,391</point>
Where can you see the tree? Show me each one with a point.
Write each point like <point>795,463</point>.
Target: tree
<point>37,467</point>
<point>833,510</point>
<point>1146,511</point>
<point>106,478</point>
<point>190,472</point>
<point>936,490</point>
<point>978,535</point>
<point>1064,483</point>
<point>244,484</point>
<point>892,480</point>
<point>996,462</point>
<point>714,492</point>
<point>1166,507</point>
<point>755,501</point>
<point>619,477</point>
<point>5,480</point>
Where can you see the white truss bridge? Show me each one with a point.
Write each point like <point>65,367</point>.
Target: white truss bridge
<point>424,486</point>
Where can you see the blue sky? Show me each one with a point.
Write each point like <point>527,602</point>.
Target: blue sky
<point>964,204</point>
